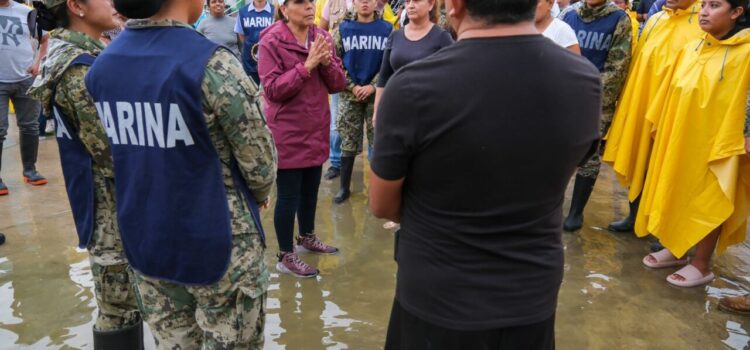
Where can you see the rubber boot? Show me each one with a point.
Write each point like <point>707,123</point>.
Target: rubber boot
<point>29,148</point>
<point>581,193</point>
<point>128,338</point>
<point>347,167</point>
<point>626,224</point>
<point>3,188</point>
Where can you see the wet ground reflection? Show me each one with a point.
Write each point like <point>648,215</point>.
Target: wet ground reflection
<point>608,300</point>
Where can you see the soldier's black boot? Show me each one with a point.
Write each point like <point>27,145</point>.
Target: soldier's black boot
<point>29,149</point>
<point>581,193</point>
<point>347,167</point>
<point>128,338</point>
<point>626,224</point>
<point>2,238</point>
<point>3,188</point>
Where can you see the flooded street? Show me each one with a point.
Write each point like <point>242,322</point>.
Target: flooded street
<point>608,299</point>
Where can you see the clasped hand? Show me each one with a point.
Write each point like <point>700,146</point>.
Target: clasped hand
<point>319,53</point>
<point>363,92</point>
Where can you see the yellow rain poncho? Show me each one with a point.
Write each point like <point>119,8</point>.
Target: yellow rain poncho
<point>699,174</point>
<point>629,140</point>
<point>634,26</point>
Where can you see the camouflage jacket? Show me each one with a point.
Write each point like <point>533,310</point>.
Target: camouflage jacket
<point>236,126</point>
<point>105,246</point>
<point>747,115</point>
<point>71,95</point>
<point>340,51</point>
<point>618,59</point>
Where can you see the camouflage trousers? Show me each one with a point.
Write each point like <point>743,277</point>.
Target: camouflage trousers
<point>115,296</point>
<point>591,168</point>
<point>353,120</point>
<point>114,284</point>
<point>229,314</point>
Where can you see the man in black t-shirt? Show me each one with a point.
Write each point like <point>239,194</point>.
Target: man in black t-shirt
<point>474,147</point>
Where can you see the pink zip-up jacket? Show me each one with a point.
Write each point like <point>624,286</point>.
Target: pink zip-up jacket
<point>297,109</point>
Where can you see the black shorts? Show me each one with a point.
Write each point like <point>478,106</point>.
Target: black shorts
<point>407,332</point>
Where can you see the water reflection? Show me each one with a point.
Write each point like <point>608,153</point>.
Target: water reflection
<point>608,299</point>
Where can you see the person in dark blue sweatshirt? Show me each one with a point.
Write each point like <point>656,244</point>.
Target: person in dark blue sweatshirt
<point>251,20</point>
<point>360,42</point>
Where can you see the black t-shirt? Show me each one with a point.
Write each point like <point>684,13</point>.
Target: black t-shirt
<point>400,51</point>
<point>487,133</point>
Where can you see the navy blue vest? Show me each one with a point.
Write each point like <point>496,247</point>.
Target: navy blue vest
<point>363,44</point>
<point>77,167</point>
<point>252,23</point>
<point>595,38</point>
<point>171,200</point>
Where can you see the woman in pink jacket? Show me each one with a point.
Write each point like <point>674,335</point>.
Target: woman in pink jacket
<point>298,69</point>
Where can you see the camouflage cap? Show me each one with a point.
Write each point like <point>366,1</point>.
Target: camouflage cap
<point>50,4</point>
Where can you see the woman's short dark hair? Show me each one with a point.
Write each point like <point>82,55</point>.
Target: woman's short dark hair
<point>501,11</point>
<point>56,17</point>
<point>744,20</point>
<point>61,16</point>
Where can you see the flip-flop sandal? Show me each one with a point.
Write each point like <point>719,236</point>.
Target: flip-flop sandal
<point>693,277</point>
<point>664,259</point>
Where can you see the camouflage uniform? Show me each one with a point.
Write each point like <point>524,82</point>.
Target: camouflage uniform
<point>113,281</point>
<point>747,116</point>
<point>613,77</point>
<point>230,313</point>
<point>354,117</point>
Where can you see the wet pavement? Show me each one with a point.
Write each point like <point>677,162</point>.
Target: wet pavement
<point>608,299</point>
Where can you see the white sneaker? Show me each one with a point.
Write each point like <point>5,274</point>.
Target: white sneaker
<point>50,128</point>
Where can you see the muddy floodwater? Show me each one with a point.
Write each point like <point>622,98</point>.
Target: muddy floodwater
<point>608,299</point>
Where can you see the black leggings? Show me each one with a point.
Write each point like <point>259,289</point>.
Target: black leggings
<point>297,192</point>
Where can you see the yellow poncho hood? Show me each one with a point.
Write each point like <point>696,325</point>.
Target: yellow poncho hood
<point>699,174</point>
<point>629,139</point>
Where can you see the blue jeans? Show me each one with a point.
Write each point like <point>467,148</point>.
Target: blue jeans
<point>335,140</point>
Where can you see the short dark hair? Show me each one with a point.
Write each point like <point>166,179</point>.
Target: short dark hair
<point>208,3</point>
<point>744,20</point>
<point>501,11</point>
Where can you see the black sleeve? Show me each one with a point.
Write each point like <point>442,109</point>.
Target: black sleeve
<point>386,70</point>
<point>395,131</point>
<point>445,38</point>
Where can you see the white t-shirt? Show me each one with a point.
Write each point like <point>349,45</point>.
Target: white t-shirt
<point>561,33</point>
<point>16,50</point>
<point>555,11</point>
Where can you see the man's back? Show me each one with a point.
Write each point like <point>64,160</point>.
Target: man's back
<point>486,134</point>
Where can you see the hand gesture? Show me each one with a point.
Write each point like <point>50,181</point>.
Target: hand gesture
<point>319,53</point>
<point>364,92</point>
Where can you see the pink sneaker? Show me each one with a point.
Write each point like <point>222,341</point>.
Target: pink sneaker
<point>311,243</point>
<point>291,263</point>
